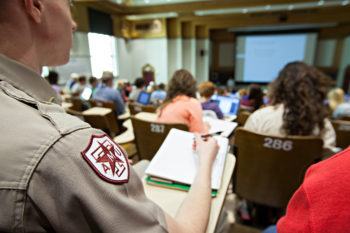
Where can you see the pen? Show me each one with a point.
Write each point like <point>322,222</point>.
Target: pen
<point>211,134</point>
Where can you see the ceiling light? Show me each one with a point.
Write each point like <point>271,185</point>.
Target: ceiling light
<point>153,16</point>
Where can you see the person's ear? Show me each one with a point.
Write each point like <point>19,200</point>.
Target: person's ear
<point>34,9</point>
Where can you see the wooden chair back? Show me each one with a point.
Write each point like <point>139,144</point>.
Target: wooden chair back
<point>342,130</point>
<point>149,136</point>
<point>106,123</point>
<point>242,117</point>
<point>77,104</point>
<point>103,104</point>
<point>269,169</point>
<point>136,108</point>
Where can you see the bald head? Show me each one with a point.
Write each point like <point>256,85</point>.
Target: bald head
<point>36,32</point>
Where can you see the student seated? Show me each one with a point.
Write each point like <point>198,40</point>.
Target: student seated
<point>53,78</point>
<point>297,106</point>
<point>79,86</point>
<point>106,92</point>
<point>159,95</point>
<point>337,104</point>
<point>139,86</point>
<point>206,91</point>
<point>180,105</point>
<point>254,99</point>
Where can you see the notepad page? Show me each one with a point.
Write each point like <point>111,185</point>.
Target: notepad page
<point>176,161</point>
<point>217,125</point>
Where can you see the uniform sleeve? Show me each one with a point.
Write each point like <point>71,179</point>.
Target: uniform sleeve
<point>328,135</point>
<point>196,117</point>
<point>68,194</point>
<point>297,218</point>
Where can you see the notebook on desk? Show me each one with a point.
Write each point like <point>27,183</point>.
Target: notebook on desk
<point>176,162</point>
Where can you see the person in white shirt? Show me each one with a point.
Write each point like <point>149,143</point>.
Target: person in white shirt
<point>336,102</point>
<point>297,106</point>
<point>136,90</point>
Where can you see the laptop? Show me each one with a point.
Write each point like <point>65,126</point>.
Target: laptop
<point>229,105</point>
<point>86,94</point>
<point>144,98</point>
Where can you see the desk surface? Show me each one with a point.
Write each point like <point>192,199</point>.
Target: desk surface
<point>170,200</point>
<point>147,116</point>
<point>128,135</point>
<point>230,118</point>
<point>125,116</point>
<point>97,111</point>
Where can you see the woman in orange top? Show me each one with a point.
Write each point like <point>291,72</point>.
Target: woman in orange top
<point>180,105</point>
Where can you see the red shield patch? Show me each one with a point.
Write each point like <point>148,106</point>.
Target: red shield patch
<point>107,159</point>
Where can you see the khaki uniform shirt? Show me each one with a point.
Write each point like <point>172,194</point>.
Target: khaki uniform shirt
<point>45,183</point>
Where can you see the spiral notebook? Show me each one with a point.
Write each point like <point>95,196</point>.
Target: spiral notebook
<point>176,162</point>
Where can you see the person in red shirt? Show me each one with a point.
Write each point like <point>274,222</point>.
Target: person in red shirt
<point>322,202</point>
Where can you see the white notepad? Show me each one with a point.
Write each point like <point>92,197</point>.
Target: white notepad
<point>175,160</point>
<point>217,125</point>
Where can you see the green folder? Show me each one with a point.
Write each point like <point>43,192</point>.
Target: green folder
<point>172,185</point>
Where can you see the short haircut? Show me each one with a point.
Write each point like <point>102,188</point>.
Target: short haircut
<point>161,86</point>
<point>140,82</point>
<point>52,77</point>
<point>92,79</point>
<point>82,78</point>
<point>106,79</point>
<point>206,89</point>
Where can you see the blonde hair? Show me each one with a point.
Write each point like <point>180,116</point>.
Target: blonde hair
<point>206,89</point>
<point>335,97</point>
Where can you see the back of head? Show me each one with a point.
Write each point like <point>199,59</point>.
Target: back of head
<point>82,79</point>
<point>256,95</point>
<point>161,86</point>
<point>107,74</point>
<point>206,89</point>
<point>52,77</point>
<point>93,81</point>
<point>107,80</point>
<point>302,90</point>
<point>140,83</point>
<point>182,83</point>
<point>335,97</point>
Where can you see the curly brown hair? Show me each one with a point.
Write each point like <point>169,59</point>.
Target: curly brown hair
<point>302,89</point>
<point>182,83</point>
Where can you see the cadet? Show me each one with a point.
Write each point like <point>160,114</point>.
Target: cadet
<point>57,174</point>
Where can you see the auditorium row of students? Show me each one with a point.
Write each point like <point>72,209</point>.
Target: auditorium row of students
<point>297,106</point>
